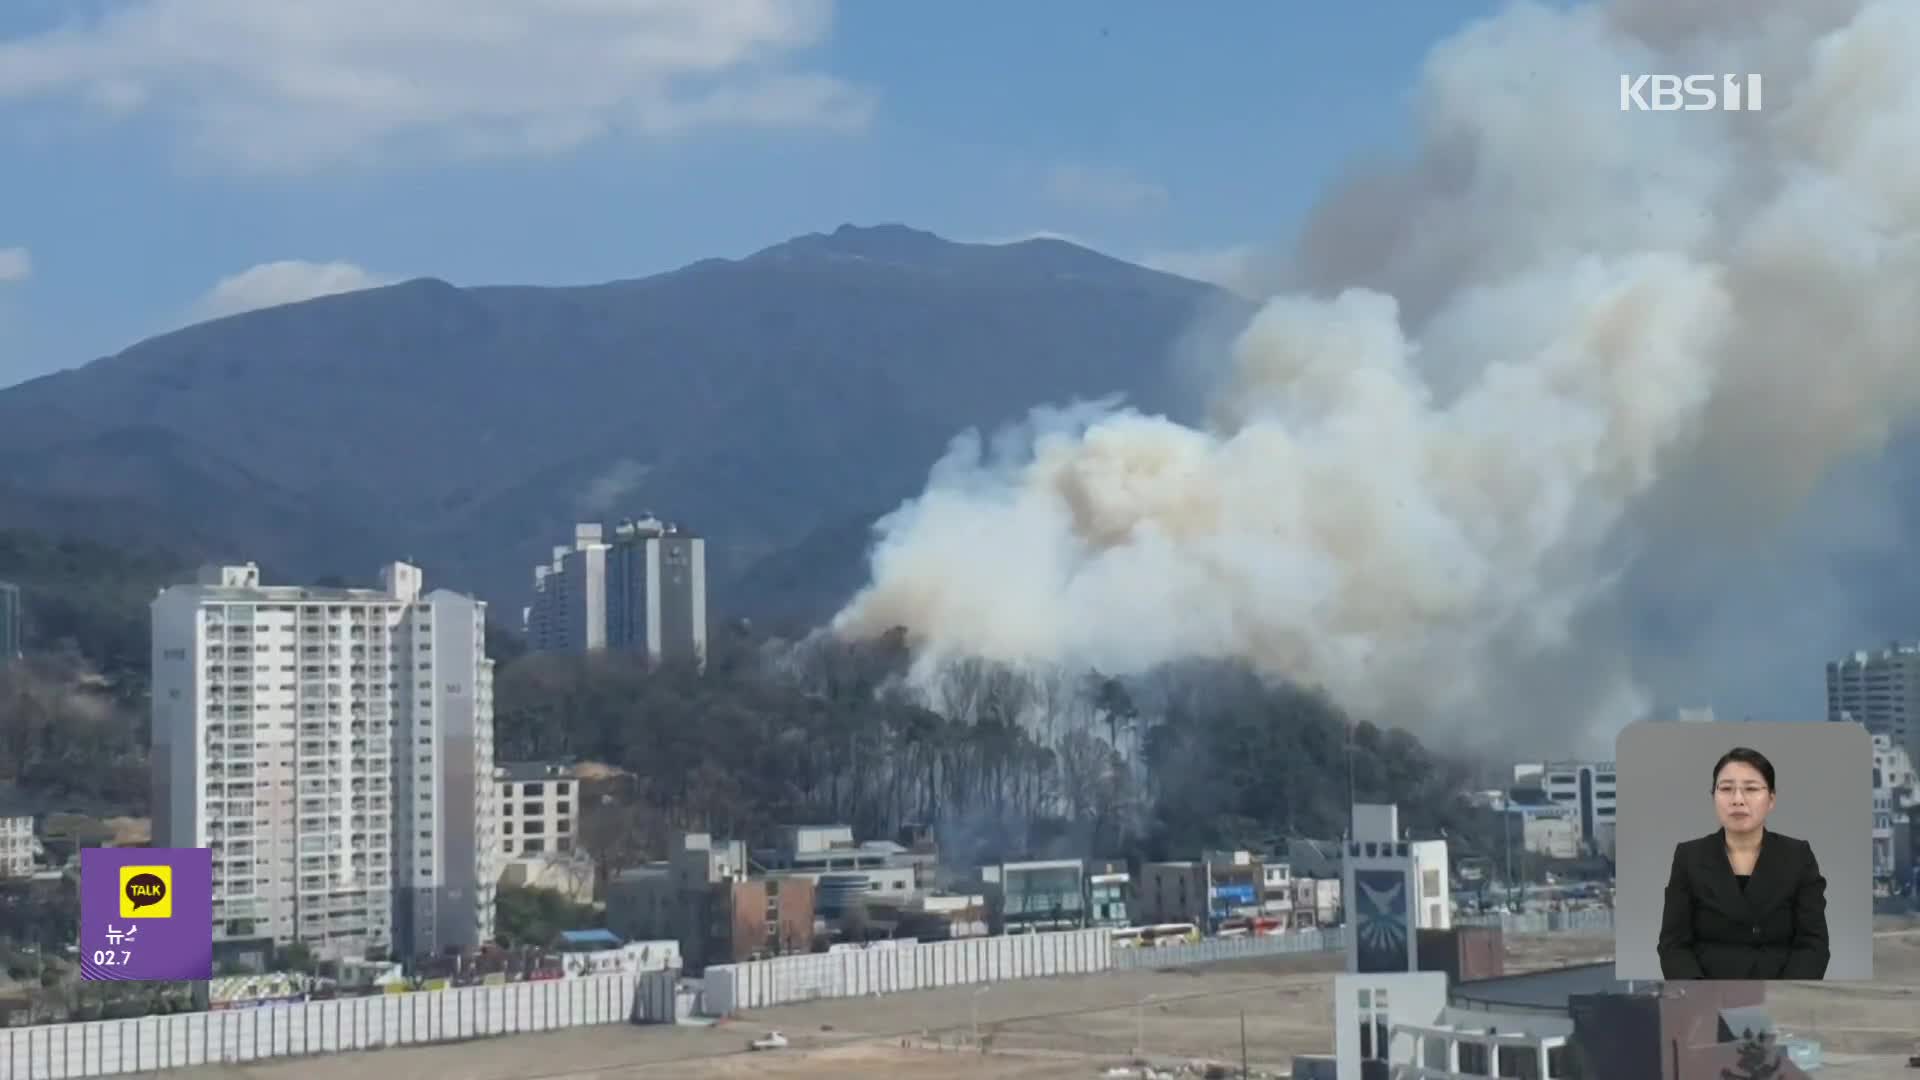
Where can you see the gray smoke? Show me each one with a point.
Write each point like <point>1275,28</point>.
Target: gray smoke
<point>1498,393</point>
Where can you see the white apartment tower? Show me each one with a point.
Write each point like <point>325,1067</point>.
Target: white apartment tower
<point>334,748</point>
<point>642,589</point>
<point>1880,691</point>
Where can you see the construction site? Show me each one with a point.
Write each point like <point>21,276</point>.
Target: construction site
<point>1263,1013</point>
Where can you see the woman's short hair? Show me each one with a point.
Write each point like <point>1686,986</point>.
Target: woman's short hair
<point>1745,756</point>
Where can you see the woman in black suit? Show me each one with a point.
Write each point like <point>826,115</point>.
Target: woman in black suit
<point>1743,902</point>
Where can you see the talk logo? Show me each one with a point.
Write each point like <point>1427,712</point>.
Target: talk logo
<point>146,892</point>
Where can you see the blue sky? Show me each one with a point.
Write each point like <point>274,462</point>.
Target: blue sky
<point>170,159</point>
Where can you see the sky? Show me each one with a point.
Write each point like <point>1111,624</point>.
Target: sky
<point>168,161</point>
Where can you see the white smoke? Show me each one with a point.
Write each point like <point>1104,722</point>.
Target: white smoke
<point>1493,383</point>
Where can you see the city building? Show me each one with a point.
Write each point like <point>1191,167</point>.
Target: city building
<point>1432,886</point>
<point>333,747</point>
<point>703,898</point>
<point>1539,825</point>
<point>19,847</point>
<point>1896,797</point>
<point>1551,1024</point>
<point>1379,877</point>
<point>1109,895</point>
<point>1276,894</point>
<point>1880,690</point>
<point>539,808</point>
<point>1236,886</point>
<point>1316,869</point>
<point>1586,786</point>
<point>1039,895</point>
<point>842,870</point>
<point>1173,892</point>
<point>1222,887</point>
<point>642,589</point>
<point>13,634</point>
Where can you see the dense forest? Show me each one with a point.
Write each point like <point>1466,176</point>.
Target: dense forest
<point>1000,761</point>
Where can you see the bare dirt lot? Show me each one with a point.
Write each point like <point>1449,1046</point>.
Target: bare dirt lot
<point>1076,1027</point>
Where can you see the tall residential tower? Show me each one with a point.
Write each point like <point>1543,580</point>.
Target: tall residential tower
<point>334,748</point>
<point>12,633</point>
<point>644,589</point>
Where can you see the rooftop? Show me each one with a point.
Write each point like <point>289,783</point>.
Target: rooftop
<point>1548,989</point>
<point>589,939</point>
<point>518,772</point>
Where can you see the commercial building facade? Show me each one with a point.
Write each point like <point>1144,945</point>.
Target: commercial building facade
<point>1588,788</point>
<point>1039,895</point>
<point>704,897</point>
<point>334,749</point>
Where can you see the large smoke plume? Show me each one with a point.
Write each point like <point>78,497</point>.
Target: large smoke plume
<point>1498,392</point>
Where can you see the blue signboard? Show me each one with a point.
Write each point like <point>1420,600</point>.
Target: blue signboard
<point>1235,894</point>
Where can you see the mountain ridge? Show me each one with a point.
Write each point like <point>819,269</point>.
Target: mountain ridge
<point>758,400</point>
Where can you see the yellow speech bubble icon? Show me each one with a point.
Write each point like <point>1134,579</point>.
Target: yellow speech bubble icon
<point>146,892</point>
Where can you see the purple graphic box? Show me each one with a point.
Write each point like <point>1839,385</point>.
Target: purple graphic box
<point>146,913</point>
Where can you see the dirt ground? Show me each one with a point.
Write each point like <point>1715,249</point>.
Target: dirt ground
<point>1077,1027</point>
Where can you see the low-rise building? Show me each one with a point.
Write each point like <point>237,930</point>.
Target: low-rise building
<point>1587,788</point>
<point>1432,885</point>
<point>1552,1024</point>
<point>602,952</point>
<point>1276,892</point>
<point>1109,895</point>
<point>1896,797</point>
<point>1315,867</point>
<point>704,898</point>
<point>1218,887</point>
<point>19,847</point>
<point>539,808</point>
<point>841,868</point>
<point>571,875</point>
<point>1038,895</point>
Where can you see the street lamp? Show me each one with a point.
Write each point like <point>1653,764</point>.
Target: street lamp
<point>1140,1027</point>
<point>973,1003</point>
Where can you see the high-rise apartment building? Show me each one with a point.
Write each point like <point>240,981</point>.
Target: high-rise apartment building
<point>643,589</point>
<point>13,638</point>
<point>1880,691</point>
<point>334,748</point>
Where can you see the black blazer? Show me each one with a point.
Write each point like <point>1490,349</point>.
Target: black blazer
<point>1775,929</point>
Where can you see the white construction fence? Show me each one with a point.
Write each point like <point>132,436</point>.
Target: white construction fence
<point>230,1036</point>
<point>732,988</point>
<point>233,1036</point>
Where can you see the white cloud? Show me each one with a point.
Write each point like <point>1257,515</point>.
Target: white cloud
<point>1113,191</point>
<point>16,265</point>
<point>1239,269</point>
<point>286,282</point>
<point>1036,234</point>
<point>288,87</point>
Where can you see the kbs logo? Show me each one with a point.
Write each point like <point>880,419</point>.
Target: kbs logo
<point>1689,93</point>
